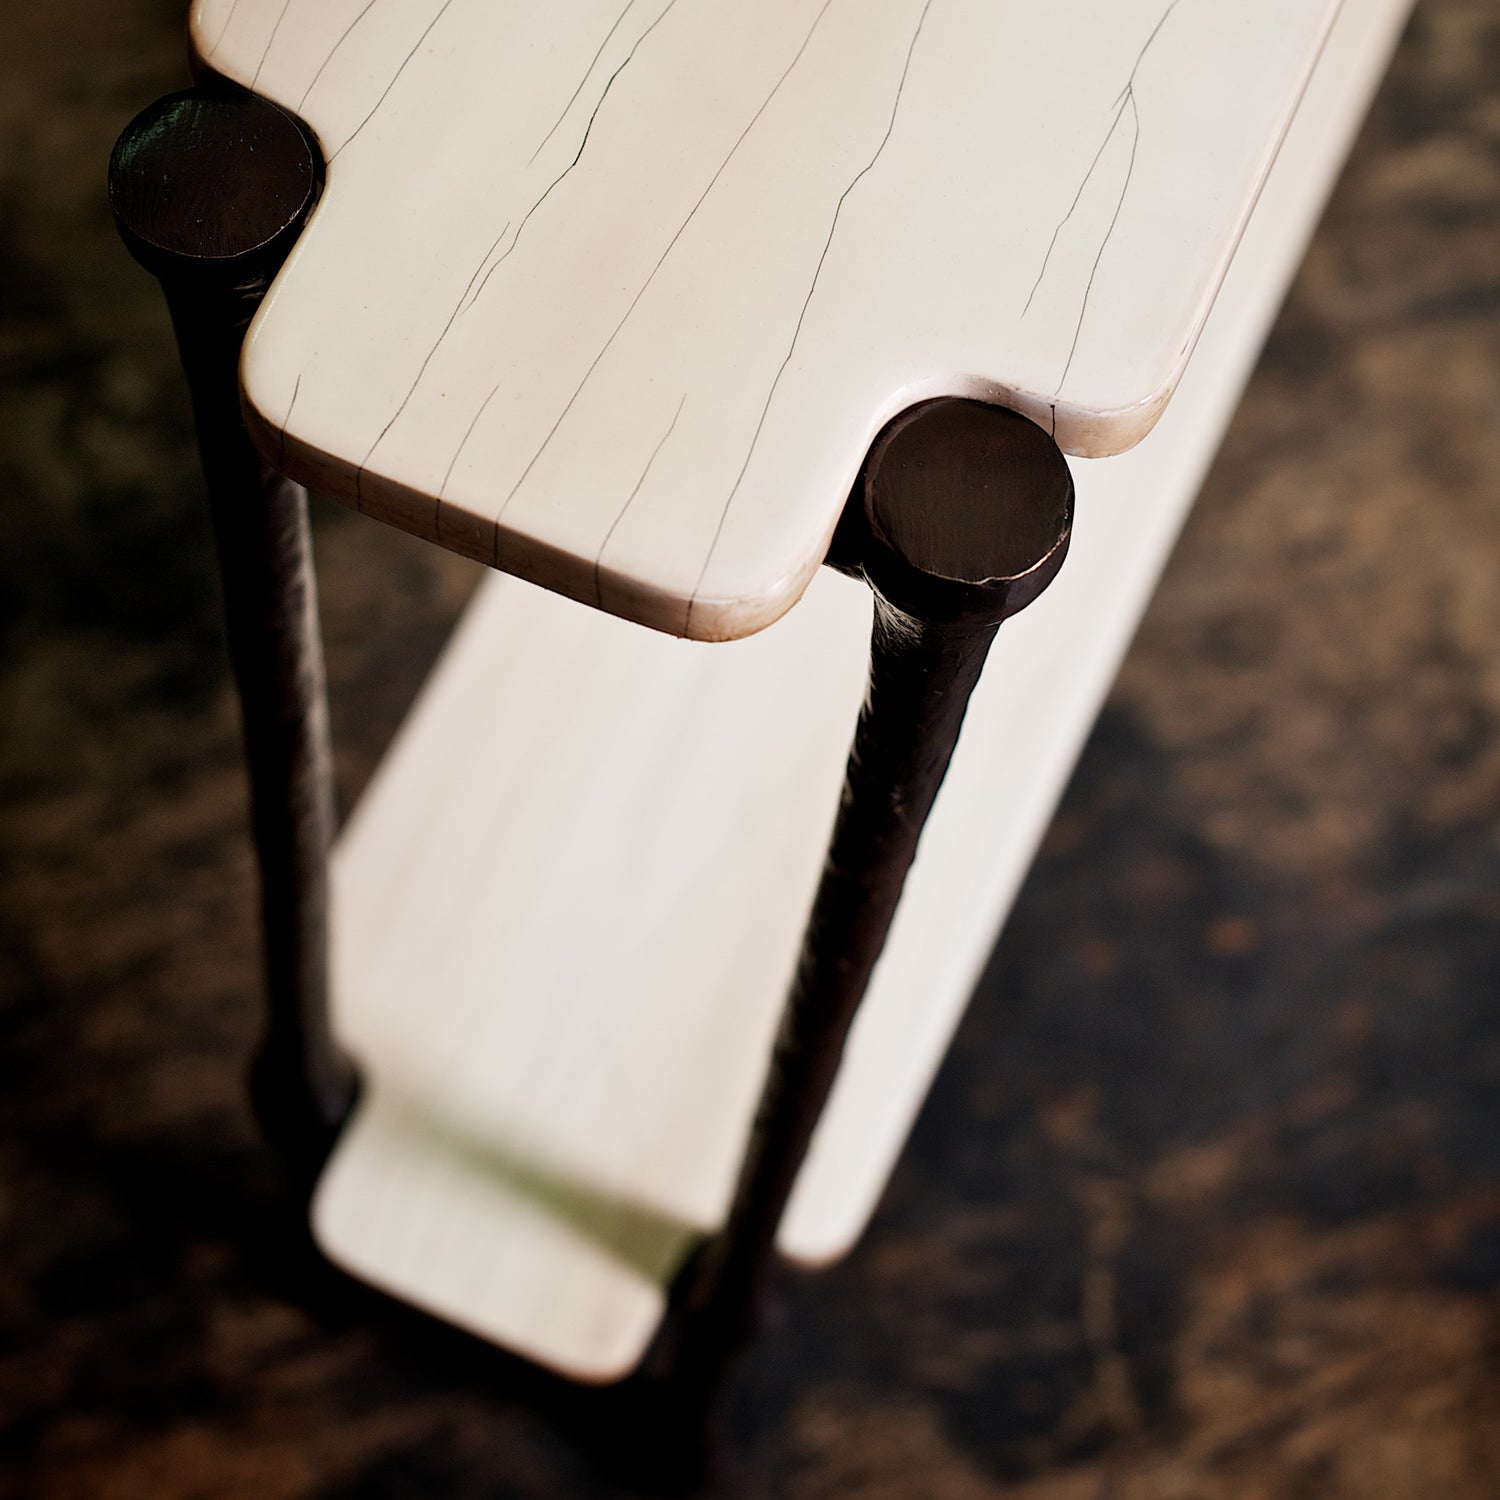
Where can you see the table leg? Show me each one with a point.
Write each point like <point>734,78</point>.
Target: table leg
<point>961,517</point>
<point>210,189</point>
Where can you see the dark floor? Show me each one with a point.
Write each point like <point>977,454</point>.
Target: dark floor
<point>1207,1201</point>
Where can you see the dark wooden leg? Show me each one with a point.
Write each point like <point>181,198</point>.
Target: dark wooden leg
<point>961,518</point>
<point>210,189</point>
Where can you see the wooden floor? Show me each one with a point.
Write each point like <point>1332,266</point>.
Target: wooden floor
<point>1207,1201</point>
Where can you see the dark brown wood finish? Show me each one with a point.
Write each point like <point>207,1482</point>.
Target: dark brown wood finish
<point>961,517</point>
<point>210,189</point>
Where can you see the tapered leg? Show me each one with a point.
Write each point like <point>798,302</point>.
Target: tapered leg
<point>210,189</point>
<point>961,518</point>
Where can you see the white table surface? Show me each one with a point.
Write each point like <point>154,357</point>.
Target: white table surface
<point>616,295</point>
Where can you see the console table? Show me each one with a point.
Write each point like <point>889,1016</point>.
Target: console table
<point>619,305</point>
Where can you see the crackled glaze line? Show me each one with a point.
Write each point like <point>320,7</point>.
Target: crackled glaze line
<point>859,177</point>
<point>270,41</point>
<point>334,52</point>
<point>1126,100</point>
<point>458,453</point>
<point>588,73</point>
<point>671,245</point>
<point>412,390</point>
<point>488,266</point>
<point>620,516</point>
<point>224,29</point>
<point>577,155</point>
<point>385,93</point>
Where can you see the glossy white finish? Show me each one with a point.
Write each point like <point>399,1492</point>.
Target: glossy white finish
<point>616,295</point>
<point>566,909</point>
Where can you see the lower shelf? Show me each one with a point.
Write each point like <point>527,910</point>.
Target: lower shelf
<point>566,912</point>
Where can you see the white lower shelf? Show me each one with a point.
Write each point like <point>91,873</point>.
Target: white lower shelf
<point>566,912</point>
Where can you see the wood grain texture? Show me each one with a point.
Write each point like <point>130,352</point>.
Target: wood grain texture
<point>680,260</point>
